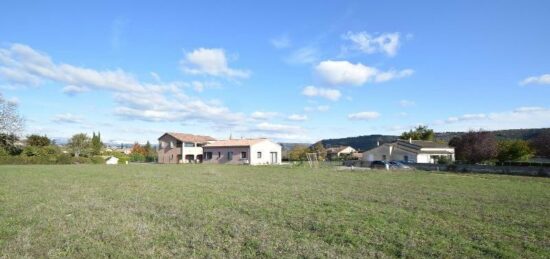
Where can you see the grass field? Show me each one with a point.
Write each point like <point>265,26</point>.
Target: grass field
<point>240,211</point>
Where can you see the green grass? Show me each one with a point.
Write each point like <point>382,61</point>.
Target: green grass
<point>240,211</point>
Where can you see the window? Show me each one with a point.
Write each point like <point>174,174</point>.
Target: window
<point>229,155</point>
<point>243,154</point>
<point>208,155</point>
<point>219,155</point>
<point>171,144</point>
<point>406,158</point>
<point>259,154</point>
<point>189,144</point>
<point>160,145</point>
<point>384,157</point>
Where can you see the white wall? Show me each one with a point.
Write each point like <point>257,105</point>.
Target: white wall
<point>266,147</point>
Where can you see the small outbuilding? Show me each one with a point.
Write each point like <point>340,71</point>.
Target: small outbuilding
<point>111,160</point>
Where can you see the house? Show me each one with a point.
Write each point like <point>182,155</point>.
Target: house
<point>111,160</point>
<point>336,152</point>
<point>175,148</point>
<point>243,151</point>
<point>414,151</point>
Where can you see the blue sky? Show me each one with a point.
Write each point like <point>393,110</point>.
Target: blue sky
<point>293,71</point>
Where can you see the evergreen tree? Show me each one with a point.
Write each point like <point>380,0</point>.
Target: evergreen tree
<point>96,143</point>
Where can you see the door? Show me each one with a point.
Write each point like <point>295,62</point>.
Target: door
<point>274,159</point>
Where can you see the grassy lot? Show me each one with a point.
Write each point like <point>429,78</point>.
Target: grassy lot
<point>199,210</point>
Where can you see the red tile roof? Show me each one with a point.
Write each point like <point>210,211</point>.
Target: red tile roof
<point>235,142</point>
<point>183,137</point>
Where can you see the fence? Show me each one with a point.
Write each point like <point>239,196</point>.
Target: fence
<point>531,169</point>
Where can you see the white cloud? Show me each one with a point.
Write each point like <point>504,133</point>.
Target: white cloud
<point>211,62</point>
<point>320,108</point>
<point>406,103</point>
<point>281,42</point>
<point>137,100</point>
<point>331,94</point>
<point>21,64</point>
<point>297,117</point>
<point>259,115</point>
<point>522,117</point>
<point>529,109</point>
<point>346,73</point>
<point>67,118</point>
<point>364,116</point>
<point>73,89</point>
<point>305,55</point>
<point>540,80</point>
<point>387,43</point>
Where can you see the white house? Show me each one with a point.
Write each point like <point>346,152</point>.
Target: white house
<point>242,151</point>
<point>335,152</point>
<point>414,151</point>
<point>111,160</point>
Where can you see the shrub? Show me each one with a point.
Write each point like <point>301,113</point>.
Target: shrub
<point>97,160</point>
<point>137,157</point>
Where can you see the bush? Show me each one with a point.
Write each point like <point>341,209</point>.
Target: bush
<point>97,160</point>
<point>137,157</point>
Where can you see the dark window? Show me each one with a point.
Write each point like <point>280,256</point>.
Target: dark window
<point>219,155</point>
<point>384,157</point>
<point>259,154</point>
<point>406,158</point>
<point>208,155</point>
<point>243,154</point>
<point>189,144</point>
<point>229,155</point>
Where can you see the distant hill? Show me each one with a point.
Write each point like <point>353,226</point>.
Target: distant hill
<point>370,141</point>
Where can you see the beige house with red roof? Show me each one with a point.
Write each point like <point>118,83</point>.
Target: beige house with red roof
<point>176,148</point>
<point>243,151</point>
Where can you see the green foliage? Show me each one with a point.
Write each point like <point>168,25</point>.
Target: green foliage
<point>3,152</point>
<point>514,150</point>
<point>8,142</point>
<point>79,144</point>
<point>97,160</point>
<point>320,150</point>
<point>38,141</point>
<point>96,144</point>
<point>298,153</point>
<point>136,157</point>
<point>419,133</point>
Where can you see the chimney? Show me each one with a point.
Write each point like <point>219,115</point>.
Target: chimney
<point>410,140</point>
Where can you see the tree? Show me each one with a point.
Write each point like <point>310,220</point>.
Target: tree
<point>97,145</point>
<point>149,152</point>
<point>298,153</point>
<point>475,146</point>
<point>514,150</point>
<point>79,144</point>
<point>320,150</point>
<point>541,144</point>
<point>38,141</point>
<point>419,133</point>
<point>8,143</point>
<point>11,122</point>
<point>138,149</point>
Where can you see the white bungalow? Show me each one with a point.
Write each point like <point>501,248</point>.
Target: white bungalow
<point>414,151</point>
<point>242,151</point>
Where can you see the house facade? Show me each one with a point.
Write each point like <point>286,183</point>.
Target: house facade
<point>413,151</point>
<point>176,148</point>
<point>242,151</point>
<point>336,152</point>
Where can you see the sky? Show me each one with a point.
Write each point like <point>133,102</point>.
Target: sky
<point>292,71</point>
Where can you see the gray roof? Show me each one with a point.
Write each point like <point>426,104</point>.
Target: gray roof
<point>418,144</point>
